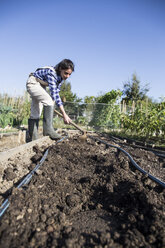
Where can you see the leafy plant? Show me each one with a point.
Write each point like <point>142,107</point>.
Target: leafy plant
<point>6,116</point>
<point>147,120</point>
<point>107,110</point>
<point>14,111</point>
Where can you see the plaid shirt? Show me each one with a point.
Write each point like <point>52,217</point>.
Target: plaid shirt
<point>54,81</point>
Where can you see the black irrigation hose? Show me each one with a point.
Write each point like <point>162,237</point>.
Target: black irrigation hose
<point>27,179</point>
<point>156,151</point>
<point>132,161</point>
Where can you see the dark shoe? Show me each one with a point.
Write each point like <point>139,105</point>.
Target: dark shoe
<point>33,129</point>
<point>48,123</point>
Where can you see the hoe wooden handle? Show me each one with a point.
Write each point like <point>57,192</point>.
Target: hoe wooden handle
<point>71,122</point>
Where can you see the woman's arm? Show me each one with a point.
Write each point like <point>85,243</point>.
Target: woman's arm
<point>65,116</point>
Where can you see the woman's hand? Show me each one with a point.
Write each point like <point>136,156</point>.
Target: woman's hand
<point>67,120</point>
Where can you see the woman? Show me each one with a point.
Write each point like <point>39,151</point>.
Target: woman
<point>36,87</point>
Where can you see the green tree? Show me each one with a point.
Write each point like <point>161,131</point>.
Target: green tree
<point>89,99</point>
<point>132,90</point>
<point>110,97</point>
<point>66,93</point>
<point>71,101</point>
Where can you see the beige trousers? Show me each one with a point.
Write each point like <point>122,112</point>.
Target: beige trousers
<point>39,97</point>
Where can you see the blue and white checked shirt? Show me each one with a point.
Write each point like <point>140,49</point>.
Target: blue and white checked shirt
<point>54,81</point>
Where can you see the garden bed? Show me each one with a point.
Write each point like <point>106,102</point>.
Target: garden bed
<point>87,195</point>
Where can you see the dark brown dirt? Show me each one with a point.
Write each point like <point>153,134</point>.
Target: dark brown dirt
<point>85,195</point>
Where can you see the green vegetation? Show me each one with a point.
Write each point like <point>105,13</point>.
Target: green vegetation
<point>129,112</point>
<point>145,120</point>
<point>14,111</point>
<point>107,111</point>
<point>6,116</point>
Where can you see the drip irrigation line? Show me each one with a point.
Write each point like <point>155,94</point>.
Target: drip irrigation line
<point>3,207</point>
<point>28,177</point>
<point>136,144</point>
<point>132,161</point>
<point>161,155</point>
<point>26,180</point>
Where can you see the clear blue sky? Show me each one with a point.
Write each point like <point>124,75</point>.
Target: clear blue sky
<point>108,40</point>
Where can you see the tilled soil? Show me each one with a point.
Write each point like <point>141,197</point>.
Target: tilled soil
<point>14,163</point>
<point>87,195</point>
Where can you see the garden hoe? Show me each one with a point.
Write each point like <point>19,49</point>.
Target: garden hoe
<point>84,136</point>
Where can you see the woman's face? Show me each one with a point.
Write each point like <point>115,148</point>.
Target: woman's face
<point>65,73</point>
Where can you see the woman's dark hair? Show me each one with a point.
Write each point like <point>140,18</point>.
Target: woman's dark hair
<point>64,65</point>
